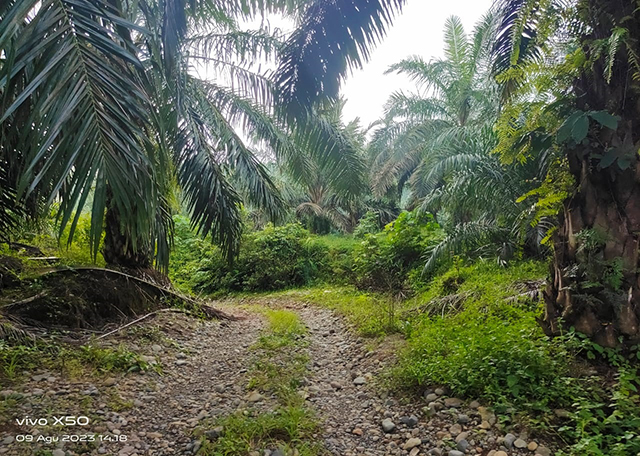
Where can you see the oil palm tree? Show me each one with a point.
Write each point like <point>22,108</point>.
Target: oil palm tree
<point>455,97</point>
<point>99,98</point>
<point>480,202</point>
<point>594,283</point>
<point>440,144</point>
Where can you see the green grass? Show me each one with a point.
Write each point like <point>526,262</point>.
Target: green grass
<point>74,361</point>
<point>372,315</point>
<point>339,241</point>
<point>287,428</point>
<point>284,323</point>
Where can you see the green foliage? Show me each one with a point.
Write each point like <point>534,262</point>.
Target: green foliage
<point>369,224</point>
<point>608,427</point>
<point>282,363</point>
<point>190,252</point>
<point>15,359</point>
<point>488,355</point>
<point>130,154</point>
<point>102,359</point>
<point>71,250</point>
<point>550,196</point>
<point>274,258</point>
<point>605,415</point>
<point>490,344</point>
<point>601,277</point>
<point>384,261</point>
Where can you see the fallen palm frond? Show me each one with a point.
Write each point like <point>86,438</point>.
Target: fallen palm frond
<point>190,303</point>
<point>442,306</point>
<point>14,335</point>
<point>528,290</point>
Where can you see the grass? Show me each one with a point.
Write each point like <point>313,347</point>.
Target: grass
<point>339,241</point>
<point>280,364</point>
<point>89,359</point>
<point>372,315</point>
<point>284,326</point>
<point>287,428</point>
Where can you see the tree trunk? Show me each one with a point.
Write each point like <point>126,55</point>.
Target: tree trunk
<point>595,285</point>
<point>594,282</point>
<point>119,250</point>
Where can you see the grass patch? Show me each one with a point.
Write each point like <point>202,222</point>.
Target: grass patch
<point>287,428</point>
<point>284,325</point>
<point>339,241</point>
<point>281,363</point>
<point>73,361</point>
<point>373,315</point>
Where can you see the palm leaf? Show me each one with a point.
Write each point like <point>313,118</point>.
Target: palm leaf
<point>334,36</point>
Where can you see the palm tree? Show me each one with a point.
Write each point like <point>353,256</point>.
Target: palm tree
<point>594,283</point>
<point>480,200</point>
<point>98,98</point>
<point>455,97</point>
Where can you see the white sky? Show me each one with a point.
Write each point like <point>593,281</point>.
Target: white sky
<point>418,31</point>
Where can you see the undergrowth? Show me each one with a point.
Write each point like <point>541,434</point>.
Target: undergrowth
<point>92,359</point>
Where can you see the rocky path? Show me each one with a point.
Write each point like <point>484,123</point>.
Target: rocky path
<point>203,375</point>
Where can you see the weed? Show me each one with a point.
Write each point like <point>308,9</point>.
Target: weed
<point>117,404</point>
<point>286,428</point>
<point>16,358</point>
<point>108,360</point>
<point>71,360</point>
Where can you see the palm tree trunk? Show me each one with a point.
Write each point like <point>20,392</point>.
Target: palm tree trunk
<point>594,286</point>
<point>118,249</point>
<point>594,282</point>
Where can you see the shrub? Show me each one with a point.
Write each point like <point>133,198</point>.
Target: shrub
<point>485,355</point>
<point>369,224</point>
<point>271,259</point>
<point>281,257</point>
<point>489,345</point>
<point>384,261</point>
<point>189,255</point>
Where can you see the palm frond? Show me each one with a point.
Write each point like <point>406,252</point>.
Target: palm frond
<point>517,42</point>
<point>211,199</point>
<point>429,75</point>
<point>456,48</point>
<point>241,46</point>
<point>334,36</point>
<point>463,239</point>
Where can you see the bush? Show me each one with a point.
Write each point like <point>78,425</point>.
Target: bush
<point>189,255</point>
<point>384,261</point>
<point>486,355</point>
<point>281,257</point>
<point>271,259</point>
<point>369,224</point>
